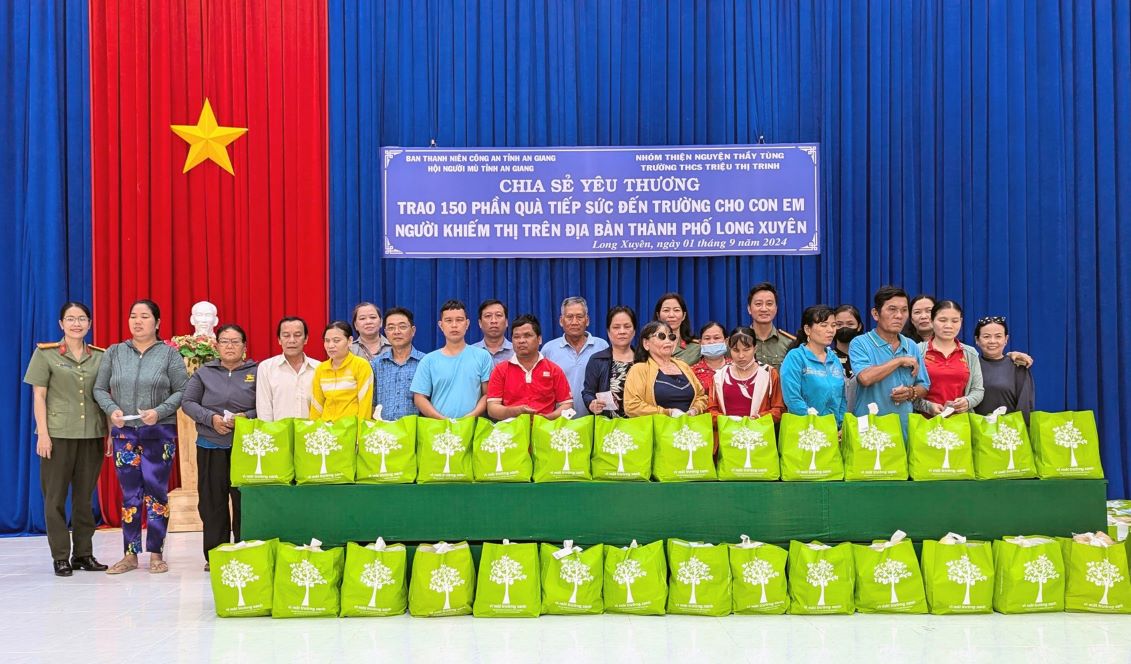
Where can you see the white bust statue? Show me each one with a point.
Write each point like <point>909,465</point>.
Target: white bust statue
<point>204,319</point>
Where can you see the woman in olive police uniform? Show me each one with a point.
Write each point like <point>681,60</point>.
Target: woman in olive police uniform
<point>71,437</point>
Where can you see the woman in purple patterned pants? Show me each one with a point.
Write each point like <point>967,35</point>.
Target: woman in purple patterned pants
<point>139,387</point>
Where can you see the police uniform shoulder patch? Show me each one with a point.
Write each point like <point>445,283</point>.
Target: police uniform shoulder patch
<point>100,349</point>
<point>47,345</point>
<point>787,335</point>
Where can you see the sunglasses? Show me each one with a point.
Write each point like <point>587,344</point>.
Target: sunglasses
<point>670,336</point>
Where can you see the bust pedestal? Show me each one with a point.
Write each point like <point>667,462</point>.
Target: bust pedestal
<point>183,514</point>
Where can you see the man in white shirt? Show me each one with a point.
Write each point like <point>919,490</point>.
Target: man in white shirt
<point>283,383</point>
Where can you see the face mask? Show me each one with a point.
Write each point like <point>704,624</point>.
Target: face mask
<point>713,350</point>
<point>846,334</point>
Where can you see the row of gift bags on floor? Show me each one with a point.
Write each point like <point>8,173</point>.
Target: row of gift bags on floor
<point>805,448</point>
<point>1014,575</point>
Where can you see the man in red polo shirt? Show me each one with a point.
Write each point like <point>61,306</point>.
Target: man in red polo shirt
<point>527,382</point>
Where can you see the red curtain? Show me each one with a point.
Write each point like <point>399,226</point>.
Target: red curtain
<point>254,244</point>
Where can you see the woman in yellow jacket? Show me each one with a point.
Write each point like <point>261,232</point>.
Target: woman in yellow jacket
<point>343,384</point>
<point>659,383</point>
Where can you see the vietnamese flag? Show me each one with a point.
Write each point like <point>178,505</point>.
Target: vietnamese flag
<point>253,242</point>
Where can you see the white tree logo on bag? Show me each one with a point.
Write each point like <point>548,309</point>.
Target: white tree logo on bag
<point>496,443</point>
<point>692,573</point>
<point>376,575</point>
<point>380,442</point>
<point>445,579</point>
<point>943,439</point>
<point>963,571</point>
<point>889,573</point>
<point>236,574</point>
<point>565,441</point>
<point>447,443</point>
<point>758,573</point>
<point>874,440</point>
<point>1105,574</point>
<point>820,575</point>
<point>321,442</point>
<point>749,440</point>
<point>619,443</point>
<point>305,575</point>
<point>258,444</point>
<point>688,440</point>
<point>626,573</point>
<point>1007,438</point>
<point>576,572</point>
<point>1067,435</point>
<point>505,571</point>
<point>812,440</point>
<point>1040,571</point>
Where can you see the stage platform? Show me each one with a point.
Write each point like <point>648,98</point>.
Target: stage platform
<point>617,512</point>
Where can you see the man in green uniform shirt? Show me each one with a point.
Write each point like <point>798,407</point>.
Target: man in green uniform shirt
<point>762,304</point>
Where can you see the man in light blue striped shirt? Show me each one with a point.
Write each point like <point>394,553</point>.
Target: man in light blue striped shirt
<point>394,368</point>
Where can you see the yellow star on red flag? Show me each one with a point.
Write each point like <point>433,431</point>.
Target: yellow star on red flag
<point>208,140</point>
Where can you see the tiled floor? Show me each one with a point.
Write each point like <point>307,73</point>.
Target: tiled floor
<point>92,617</point>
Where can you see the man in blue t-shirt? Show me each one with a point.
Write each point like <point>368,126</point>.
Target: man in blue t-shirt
<point>451,382</point>
<point>888,366</point>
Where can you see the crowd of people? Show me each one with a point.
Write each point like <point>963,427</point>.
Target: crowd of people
<point>910,361</point>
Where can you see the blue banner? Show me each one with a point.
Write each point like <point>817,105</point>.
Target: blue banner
<point>601,201</point>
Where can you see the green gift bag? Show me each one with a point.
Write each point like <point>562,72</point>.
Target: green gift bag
<point>562,448</point>
<point>501,450</point>
<point>683,448</point>
<point>873,447</point>
<point>636,579</point>
<point>699,581</point>
<point>622,448</point>
<point>809,450</point>
<point>242,575</point>
<point>940,447</point>
<point>262,452</point>
<point>1001,446</point>
<point>1028,575</point>
<point>1066,444</point>
<point>958,575</point>
<point>748,448</point>
<point>1098,578</point>
<point>572,578</point>
<point>821,578</point>
<point>888,578</point>
<point>443,449</point>
<point>509,581</point>
<point>386,451</point>
<point>325,452</point>
<point>442,581</point>
<point>758,570</point>
<point>373,582</point>
<point>306,581</point>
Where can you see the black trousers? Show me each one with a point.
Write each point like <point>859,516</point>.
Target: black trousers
<point>74,466</point>
<point>214,488</point>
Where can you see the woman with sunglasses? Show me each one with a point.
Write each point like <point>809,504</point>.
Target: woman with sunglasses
<point>746,387</point>
<point>659,383</point>
<point>1005,376</point>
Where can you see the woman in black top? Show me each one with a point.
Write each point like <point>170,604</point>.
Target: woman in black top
<point>607,369</point>
<point>1006,378</point>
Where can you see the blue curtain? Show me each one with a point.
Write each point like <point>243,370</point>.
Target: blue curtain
<point>45,189</point>
<point>979,150</point>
